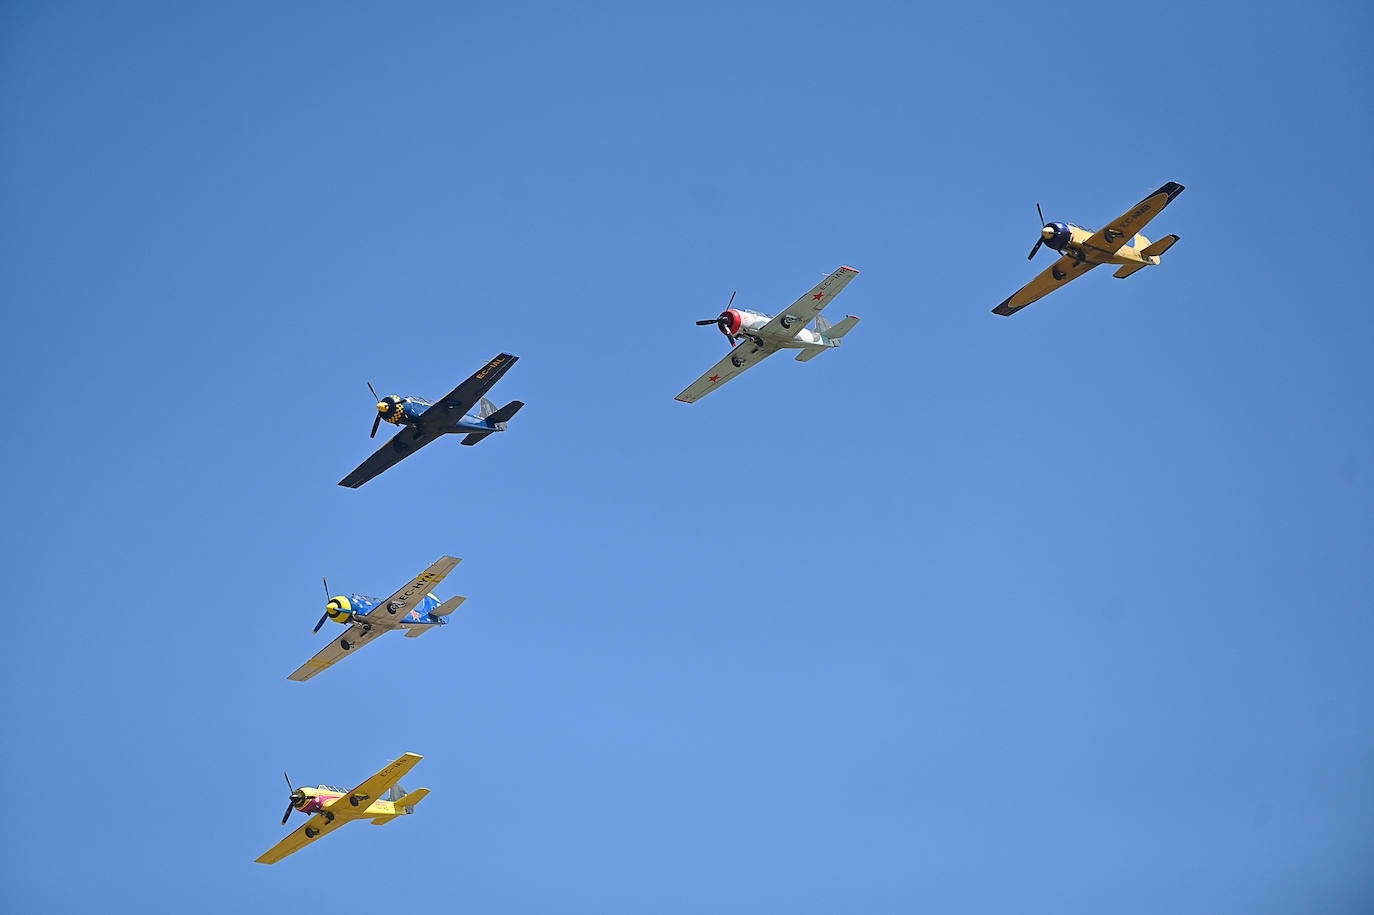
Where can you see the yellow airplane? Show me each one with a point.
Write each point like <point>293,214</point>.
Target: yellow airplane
<point>1120,242</point>
<point>332,807</point>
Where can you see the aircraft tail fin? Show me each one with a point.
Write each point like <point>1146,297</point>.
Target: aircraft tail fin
<point>1127,270</point>
<point>405,804</point>
<point>444,609</point>
<point>1158,248</point>
<point>486,409</point>
<point>495,417</point>
<point>822,325</point>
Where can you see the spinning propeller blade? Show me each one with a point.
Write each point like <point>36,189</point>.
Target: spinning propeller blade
<point>291,802</point>
<point>707,321</point>
<point>1038,241</point>
<point>376,420</point>
<point>318,625</point>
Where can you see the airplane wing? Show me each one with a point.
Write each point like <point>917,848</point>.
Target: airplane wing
<point>1060,272</point>
<point>1115,234</point>
<point>403,444</point>
<point>355,636</point>
<point>463,398</point>
<point>395,608</point>
<point>739,359</point>
<point>786,323</point>
<point>318,825</point>
<point>389,614</point>
<point>373,789</point>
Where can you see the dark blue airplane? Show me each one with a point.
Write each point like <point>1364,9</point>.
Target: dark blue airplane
<point>424,422</point>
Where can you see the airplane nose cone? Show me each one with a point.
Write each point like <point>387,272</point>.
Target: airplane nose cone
<point>1047,232</point>
<point>383,406</point>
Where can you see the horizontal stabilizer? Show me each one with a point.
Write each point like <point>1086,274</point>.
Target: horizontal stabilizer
<point>1159,247</point>
<point>811,352</point>
<point>1128,270</point>
<point>408,802</point>
<point>474,437</point>
<point>505,413</point>
<point>842,328</point>
<point>447,606</point>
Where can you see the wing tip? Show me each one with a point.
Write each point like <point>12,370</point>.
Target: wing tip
<point>1006,311</point>
<point>850,269</point>
<point>680,399</point>
<point>1170,188</point>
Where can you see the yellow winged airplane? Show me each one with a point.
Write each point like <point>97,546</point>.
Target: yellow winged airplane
<point>1119,242</point>
<point>380,799</point>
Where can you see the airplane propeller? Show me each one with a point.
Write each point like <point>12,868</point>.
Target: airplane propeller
<point>376,420</point>
<point>291,802</point>
<point>324,617</point>
<point>1041,240</point>
<point>722,321</point>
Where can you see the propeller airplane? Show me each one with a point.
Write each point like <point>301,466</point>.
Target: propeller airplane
<point>380,799</point>
<point>763,335</point>
<point>424,422</point>
<point>413,608</point>
<point>1081,250</point>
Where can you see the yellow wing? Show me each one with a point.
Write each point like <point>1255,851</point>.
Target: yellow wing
<point>372,789</point>
<point>1060,272</point>
<point>314,827</point>
<point>1113,236</point>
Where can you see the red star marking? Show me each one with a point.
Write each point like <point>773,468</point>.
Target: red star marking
<point>818,296</point>
<point>714,378</point>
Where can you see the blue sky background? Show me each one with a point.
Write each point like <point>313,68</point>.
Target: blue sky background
<point>1068,612</point>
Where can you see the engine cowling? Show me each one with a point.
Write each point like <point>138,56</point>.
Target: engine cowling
<point>729,322</point>
<point>339,609</point>
<point>1056,235</point>
<point>392,409</point>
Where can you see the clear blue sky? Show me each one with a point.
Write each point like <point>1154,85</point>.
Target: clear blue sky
<point>1068,612</point>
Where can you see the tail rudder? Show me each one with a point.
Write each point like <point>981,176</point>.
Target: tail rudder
<point>486,409</point>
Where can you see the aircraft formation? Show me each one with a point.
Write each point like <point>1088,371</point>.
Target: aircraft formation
<point>753,337</point>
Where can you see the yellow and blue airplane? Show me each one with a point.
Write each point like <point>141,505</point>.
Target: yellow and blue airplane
<point>423,422</point>
<point>1080,250</point>
<point>380,799</point>
<point>414,608</point>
